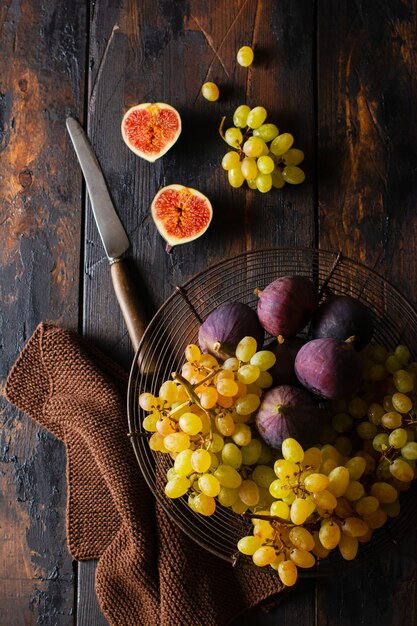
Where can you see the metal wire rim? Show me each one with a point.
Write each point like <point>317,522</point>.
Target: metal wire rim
<point>176,324</point>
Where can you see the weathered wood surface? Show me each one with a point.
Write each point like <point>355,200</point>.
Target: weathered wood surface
<point>340,75</point>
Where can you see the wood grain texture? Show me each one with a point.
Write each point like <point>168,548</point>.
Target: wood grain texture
<point>42,54</point>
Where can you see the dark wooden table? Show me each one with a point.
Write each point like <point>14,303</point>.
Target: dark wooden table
<point>340,74</point>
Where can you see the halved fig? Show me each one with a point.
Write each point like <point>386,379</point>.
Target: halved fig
<point>150,129</point>
<point>181,214</point>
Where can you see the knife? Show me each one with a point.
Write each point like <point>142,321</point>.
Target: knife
<point>112,233</point>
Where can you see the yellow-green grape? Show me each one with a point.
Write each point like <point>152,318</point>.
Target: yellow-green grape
<point>227,476</point>
<point>227,387</point>
<point>285,469</point>
<point>281,144</point>
<point>392,510</point>
<point>249,545</point>
<point>330,452</point>
<point>225,424</point>
<point>156,442</point>
<point>375,413</point>
<point>358,408</point>
<point>403,381</point>
<point>267,132</point>
<point>251,452</point>
<point>343,508</point>
<point>248,404</point>
<point>277,179</point>
<point>392,364</point>
<point>376,519</point>
<point>325,500</point>
<point>177,487</point>
<point>377,372</point>
<point>231,160</point>
<point>265,555</point>
<point>233,136</point>
<point>348,547</point>
<point>366,430</point>
<point>401,470</point>
<point>209,362</point>
<point>242,435</point>
<point>228,496</point>
<point>292,450</point>
<point>409,451</point>
<point>312,458</point>
<point>249,168</point>
<point>387,403</point>
<point>329,534</point>
<point>168,391</point>
<point>205,505</point>
<point>293,174</point>
<point>182,463</point>
<point>316,482</point>
<point>249,492</point>
<point>256,117</point>
<point>302,558</point>
<point>209,485</point>
<point>280,558</point>
<point>217,443</point>
<point>278,489</point>
<point>251,183</point>
<point>354,527</point>
<point>355,490</point>
<point>343,444</point>
<point>149,422</point>
<point>200,461</point>
<point>245,56</point>
<point>263,475</point>
<point>231,455</point>
<point>392,420</point>
<point>208,397</point>
<point>301,538</point>
<point>401,402</point>
<point>280,509</point>
<point>342,422</point>
<point>232,364</point>
<point>319,550</point>
<point>148,402</point>
<point>402,353</point>
<point>245,349</point>
<point>192,351</point>
<point>248,373</point>
<point>240,116</point>
<point>265,165</point>
<point>265,380</point>
<point>171,473</point>
<point>177,442</point>
<point>264,359</point>
<point>239,507</point>
<point>190,423</point>
<point>397,438</point>
<point>210,91</point>
<point>235,177</point>
<point>253,147</point>
<point>294,156</point>
<point>287,572</point>
<point>301,509</point>
<point>380,442</point>
<point>366,505</point>
<point>384,492</point>
<point>263,182</point>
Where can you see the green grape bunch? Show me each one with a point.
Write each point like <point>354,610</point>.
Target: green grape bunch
<point>262,157</point>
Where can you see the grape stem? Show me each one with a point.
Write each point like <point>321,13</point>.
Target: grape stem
<point>192,395</point>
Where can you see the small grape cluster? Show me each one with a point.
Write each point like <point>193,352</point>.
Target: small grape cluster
<point>262,156</point>
<point>201,419</point>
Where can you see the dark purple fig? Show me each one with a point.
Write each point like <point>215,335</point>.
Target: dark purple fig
<point>285,350</point>
<point>222,330</point>
<point>286,305</point>
<point>329,368</point>
<point>288,411</point>
<point>342,317</point>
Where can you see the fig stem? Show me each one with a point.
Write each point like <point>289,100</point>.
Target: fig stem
<point>257,291</point>
<point>168,248</point>
<point>351,339</point>
<point>218,346</point>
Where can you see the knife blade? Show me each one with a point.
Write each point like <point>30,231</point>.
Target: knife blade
<point>112,233</point>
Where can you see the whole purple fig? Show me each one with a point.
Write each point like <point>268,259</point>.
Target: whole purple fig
<point>288,411</point>
<point>342,317</point>
<point>286,305</point>
<point>285,350</point>
<point>224,327</point>
<point>329,368</point>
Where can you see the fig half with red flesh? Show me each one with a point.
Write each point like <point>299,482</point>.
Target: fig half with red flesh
<point>181,214</point>
<point>150,129</point>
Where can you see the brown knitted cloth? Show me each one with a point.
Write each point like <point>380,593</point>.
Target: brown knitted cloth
<point>149,572</point>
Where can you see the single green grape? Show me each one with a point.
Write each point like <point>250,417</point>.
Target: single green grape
<point>265,165</point>
<point>235,177</point>
<point>233,136</point>
<point>267,132</point>
<point>240,116</point>
<point>281,144</point>
<point>264,182</point>
<point>256,117</point>
<point>293,156</point>
<point>230,160</point>
<point>253,147</point>
<point>245,56</point>
<point>277,179</point>
<point>293,174</point>
<point>210,92</point>
<point>249,168</point>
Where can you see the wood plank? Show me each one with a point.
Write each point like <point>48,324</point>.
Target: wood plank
<point>42,52</point>
<point>164,52</point>
<point>366,142</point>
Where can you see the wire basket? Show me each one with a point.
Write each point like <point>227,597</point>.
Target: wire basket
<point>176,324</point>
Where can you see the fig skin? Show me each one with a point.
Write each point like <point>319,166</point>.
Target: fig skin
<point>286,305</point>
<point>342,317</point>
<point>329,368</point>
<point>226,326</point>
<point>283,372</point>
<point>288,411</point>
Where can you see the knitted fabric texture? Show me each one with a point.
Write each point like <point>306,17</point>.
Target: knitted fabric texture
<point>149,572</point>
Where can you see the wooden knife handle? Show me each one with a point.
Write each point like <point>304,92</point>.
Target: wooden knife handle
<point>130,305</point>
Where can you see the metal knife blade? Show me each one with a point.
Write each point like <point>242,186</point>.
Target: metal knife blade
<point>112,233</point>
